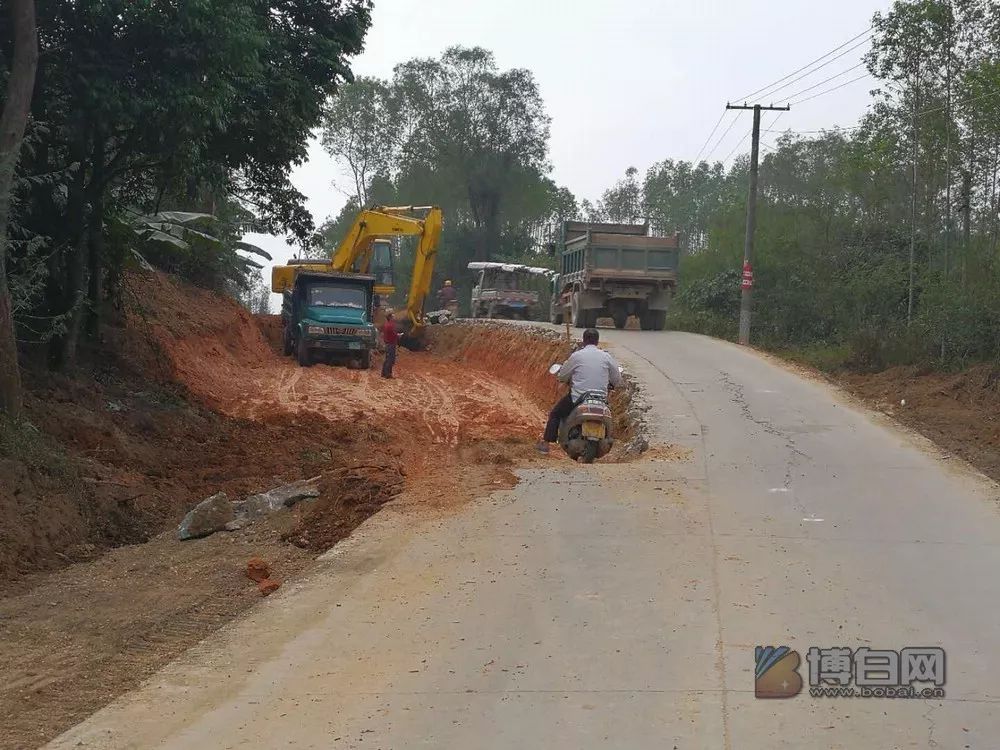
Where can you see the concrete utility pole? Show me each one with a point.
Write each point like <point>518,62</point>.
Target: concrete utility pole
<point>747,285</point>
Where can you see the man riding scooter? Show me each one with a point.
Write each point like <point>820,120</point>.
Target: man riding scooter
<point>588,370</point>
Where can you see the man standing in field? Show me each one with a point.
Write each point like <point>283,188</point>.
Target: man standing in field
<point>390,336</point>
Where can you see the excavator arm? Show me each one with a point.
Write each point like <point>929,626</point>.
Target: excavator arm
<point>423,270</point>
<point>354,253</point>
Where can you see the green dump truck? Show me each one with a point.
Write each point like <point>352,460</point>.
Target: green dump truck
<point>325,314</point>
<point>614,271</point>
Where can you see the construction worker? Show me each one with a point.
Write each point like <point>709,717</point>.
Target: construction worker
<point>390,336</point>
<point>448,297</point>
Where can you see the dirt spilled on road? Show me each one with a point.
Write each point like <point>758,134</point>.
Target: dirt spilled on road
<point>193,397</point>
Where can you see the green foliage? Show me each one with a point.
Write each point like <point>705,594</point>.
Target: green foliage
<point>146,107</point>
<point>459,133</point>
<point>832,262</point>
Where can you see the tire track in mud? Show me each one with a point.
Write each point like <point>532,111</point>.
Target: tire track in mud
<point>449,403</point>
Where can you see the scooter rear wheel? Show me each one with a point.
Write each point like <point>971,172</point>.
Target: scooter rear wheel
<point>589,452</point>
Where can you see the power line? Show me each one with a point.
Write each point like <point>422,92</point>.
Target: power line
<point>808,73</point>
<point>776,118</point>
<point>722,137</point>
<point>825,80</point>
<point>717,124</point>
<point>849,129</point>
<point>811,132</point>
<point>959,104</point>
<point>921,113</point>
<point>742,141</point>
<point>830,91</point>
<point>807,65</point>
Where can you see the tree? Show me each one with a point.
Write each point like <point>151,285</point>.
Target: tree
<point>623,202</point>
<point>480,128</point>
<point>13,120</point>
<point>146,107</point>
<point>362,130</point>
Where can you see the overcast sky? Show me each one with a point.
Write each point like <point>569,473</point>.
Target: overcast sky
<point>627,83</point>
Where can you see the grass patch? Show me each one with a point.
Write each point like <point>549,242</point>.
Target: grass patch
<point>824,357</point>
<point>680,318</point>
<point>23,442</point>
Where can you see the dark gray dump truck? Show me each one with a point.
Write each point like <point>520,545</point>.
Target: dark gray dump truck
<point>614,271</point>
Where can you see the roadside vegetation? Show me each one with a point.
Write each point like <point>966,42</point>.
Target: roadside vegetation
<point>835,219</point>
<point>461,133</point>
<point>156,133</point>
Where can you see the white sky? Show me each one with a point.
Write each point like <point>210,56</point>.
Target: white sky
<point>627,83</point>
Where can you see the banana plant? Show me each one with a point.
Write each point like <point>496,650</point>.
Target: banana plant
<point>195,235</point>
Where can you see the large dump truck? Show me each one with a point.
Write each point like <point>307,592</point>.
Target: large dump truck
<point>614,271</point>
<point>325,314</point>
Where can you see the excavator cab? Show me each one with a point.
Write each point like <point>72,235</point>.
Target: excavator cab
<point>382,266</point>
<point>377,261</point>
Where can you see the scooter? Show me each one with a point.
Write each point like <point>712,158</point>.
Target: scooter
<point>587,432</point>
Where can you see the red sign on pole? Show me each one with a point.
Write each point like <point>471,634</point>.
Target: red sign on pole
<point>747,282</point>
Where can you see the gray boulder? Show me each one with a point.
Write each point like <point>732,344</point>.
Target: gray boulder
<point>258,506</point>
<point>207,517</point>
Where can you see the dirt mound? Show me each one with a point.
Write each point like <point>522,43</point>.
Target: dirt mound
<point>520,356</point>
<point>192,397</point>
<point>958,411</point>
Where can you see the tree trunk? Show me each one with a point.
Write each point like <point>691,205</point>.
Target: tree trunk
<point>95,243</point>
<point>13,120</point>
<point>71,300</point>
<point>95,258</point>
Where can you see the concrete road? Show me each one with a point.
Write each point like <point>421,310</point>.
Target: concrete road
<point>618,606</point>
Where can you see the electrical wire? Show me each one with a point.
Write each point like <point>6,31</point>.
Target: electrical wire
<point>848,129</point>
<point>811,132</point>
<point>717,124</point>
<point>830,91</point>
<point>770,94</point>
<point>743,140</point>
<point>807,65</point>
<point>987,95</point>
<point>825,80</point>
<point>723,136</point>
<point>730,154</point>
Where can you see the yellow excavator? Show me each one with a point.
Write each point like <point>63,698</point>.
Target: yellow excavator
<point>367,249</point>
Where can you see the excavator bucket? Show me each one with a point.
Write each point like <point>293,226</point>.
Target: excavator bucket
<point>413,338</point>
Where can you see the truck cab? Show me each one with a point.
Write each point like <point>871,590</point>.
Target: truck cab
<point>328,315</point>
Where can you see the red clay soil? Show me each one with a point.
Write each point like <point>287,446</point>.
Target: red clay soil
<point>191,397</point>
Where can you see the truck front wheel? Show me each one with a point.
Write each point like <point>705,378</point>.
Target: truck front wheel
<point>365,360</point>
<point>302,353</point>
<point>287,345</point>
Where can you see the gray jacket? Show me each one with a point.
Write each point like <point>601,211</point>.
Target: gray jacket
<point>590,369</point>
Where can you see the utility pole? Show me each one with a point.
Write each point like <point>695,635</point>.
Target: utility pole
<point>747,285</point>
<point>913,200</point>
<point>966,216</point>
